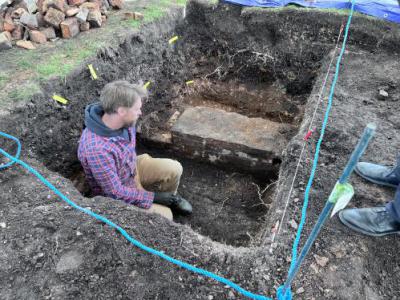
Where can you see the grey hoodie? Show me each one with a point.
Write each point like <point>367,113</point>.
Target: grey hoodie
<point>94,123</point>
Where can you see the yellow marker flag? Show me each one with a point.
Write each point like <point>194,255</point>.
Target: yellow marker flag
<point>146,85</point>
<point>60,99</point>
<point>189,82</point>
<point>92,72</point>
<point>173,40</point>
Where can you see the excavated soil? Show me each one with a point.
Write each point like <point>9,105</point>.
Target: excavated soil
<point>259,63</point>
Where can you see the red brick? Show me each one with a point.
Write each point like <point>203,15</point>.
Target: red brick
<point>37,37</point>
<point>54,17</point>
<point>69,28</point>
<point>8,26</point>
<point>85,26</point>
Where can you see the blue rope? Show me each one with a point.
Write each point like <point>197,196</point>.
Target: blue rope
<point>316,156</point>
<point>124,233</point>
<point>18,150</point>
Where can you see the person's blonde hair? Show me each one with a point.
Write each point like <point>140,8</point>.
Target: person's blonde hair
<point>120,93</point>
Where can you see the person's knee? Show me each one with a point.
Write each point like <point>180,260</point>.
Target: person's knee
<point>178,169</point>
<point>175,169</point>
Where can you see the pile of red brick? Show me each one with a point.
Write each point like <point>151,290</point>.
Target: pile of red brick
<point>25,21</point>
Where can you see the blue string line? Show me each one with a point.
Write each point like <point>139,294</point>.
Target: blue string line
<point>124,233</point>
<point>18,150</point>
<point>316,156</point>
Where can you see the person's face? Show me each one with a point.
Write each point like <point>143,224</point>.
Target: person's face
<point>130,115</point>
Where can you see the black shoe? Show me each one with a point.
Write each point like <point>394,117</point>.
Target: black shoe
<point>377,174</point>
<point>374,221</point>
<point>181,205</point>
<point>175,202</point>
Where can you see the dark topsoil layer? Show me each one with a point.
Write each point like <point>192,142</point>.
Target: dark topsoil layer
<point>50,251</point>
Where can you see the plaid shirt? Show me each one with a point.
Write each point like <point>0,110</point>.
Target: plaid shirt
<point>110,166</point>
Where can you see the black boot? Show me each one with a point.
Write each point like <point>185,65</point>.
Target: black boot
<point>175,202</point>
<point>374,221</point>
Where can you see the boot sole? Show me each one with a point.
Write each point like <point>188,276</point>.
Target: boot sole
<point>373,180</point>
<point>359,230</point>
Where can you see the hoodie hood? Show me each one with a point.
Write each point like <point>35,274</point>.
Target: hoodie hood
<point>93,121</point>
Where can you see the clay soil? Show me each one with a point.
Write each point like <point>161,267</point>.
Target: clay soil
<point>277,59</point>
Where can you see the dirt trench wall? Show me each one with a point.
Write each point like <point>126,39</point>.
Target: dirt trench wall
<point>285,43</point>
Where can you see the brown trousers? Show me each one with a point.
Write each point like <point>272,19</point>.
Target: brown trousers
<point>158,175</point>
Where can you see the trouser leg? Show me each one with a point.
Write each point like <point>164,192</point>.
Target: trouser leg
<point>159,174</point>
<point>394,207</point>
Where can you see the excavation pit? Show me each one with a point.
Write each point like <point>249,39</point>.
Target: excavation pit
<point>226,113</point>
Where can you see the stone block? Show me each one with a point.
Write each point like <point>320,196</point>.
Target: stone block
<point>252,144</point>
<point>85,26</point>
<point>17,13</point>
<point>94,18</point>
<point>138,16</point>
<point>25,44</point>
<point>82,14</point>
<point>90,6</point>
<point>60,5</point>
<point>133,15</point>
<point>18,33</point>
<point>5,41</point>
<point>37,37</point>
<point>8,25</point>
<point>4,3</point>
<point>54,17</point>
<point>72,11</point>
<point>29,20</point>
<point>69,28</point>
<point>40,19</point>
<point>8,35</point>
<point>105,5</point>
<point>42,6</point>
<point>31,6</point>
<point>49,32</point>
<point>75,2</point>
<point>116,3</point>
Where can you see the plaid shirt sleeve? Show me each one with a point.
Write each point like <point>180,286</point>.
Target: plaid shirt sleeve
<point>104,170</point>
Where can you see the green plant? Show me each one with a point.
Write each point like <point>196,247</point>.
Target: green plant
<point>23,92</point>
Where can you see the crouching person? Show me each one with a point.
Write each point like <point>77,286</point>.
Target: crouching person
<point>108,156</point>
